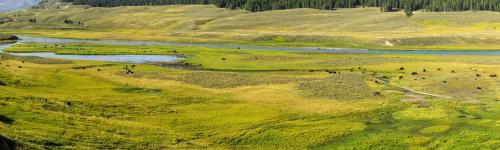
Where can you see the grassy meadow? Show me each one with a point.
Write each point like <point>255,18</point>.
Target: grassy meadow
<point>248,99</point>
<point>225,98</point>
<point>365,28</point>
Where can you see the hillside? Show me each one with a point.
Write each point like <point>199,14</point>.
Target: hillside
<point>264,5</point>
<point>348,28</point>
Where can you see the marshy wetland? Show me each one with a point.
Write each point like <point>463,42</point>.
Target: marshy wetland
<point>226,97</point>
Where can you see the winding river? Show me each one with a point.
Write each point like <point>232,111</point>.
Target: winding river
<point>171,58</point>
<point>112,58</point>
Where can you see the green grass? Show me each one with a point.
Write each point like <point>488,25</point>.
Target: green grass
<point>341,86</point>
<point>36,60</point>
<point>365,28</point>
<point>251,99</point>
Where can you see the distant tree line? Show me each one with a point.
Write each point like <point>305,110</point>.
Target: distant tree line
<point>263,5</point>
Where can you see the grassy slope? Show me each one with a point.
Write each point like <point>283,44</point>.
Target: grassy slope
<point>349,28</point>
<point>159,108</point>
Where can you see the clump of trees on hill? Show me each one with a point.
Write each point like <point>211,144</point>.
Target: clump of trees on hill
<point>263,5</point>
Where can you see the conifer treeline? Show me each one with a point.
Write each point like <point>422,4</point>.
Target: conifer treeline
<point>262,5</point>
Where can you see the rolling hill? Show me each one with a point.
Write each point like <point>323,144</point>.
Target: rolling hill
<point>345,28</point>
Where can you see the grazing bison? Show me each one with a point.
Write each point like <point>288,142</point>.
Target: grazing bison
<point>444,81</point>
<point>414,73</point>
<point>438,69</point>
<point>453,71</point>
<point>401,68</point>
<point>129,71</point>
<point>479,88</point>
<point>400,77</point>
<point>493,75</point>
<point>424,70</point>
<point>478,75</point>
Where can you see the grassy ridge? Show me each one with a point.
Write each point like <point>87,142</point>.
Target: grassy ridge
<point>250,99</point>
<point>346,28</point>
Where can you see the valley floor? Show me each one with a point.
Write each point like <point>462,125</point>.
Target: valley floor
<point>232,98</point>
<point>360,28</point>
<point>236,98</point>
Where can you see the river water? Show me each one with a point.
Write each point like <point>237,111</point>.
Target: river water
<point>301,49</point>
<point>171,58</point>
<point>111,58</point>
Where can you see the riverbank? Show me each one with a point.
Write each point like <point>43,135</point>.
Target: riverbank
<point>62,46</point>
<point>8,38</point>
<point>279,42</point>
<point>359,28</point>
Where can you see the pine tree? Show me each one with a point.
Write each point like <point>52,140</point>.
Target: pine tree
<point>263,5</point>
<point>409,8</point>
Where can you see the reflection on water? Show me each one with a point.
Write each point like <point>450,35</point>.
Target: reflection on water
<point>111,58</point>
<point>170,58</point>
<point>301,49</point>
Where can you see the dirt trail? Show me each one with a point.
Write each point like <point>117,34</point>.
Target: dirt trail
<point>409,90</point>
<point>418,92</point>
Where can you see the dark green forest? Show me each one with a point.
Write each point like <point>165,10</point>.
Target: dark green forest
<point>263,5</point>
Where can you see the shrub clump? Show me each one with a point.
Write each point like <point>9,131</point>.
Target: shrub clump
<point>230,80</point>
<point>435,129</point>
<point>340,87</point>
